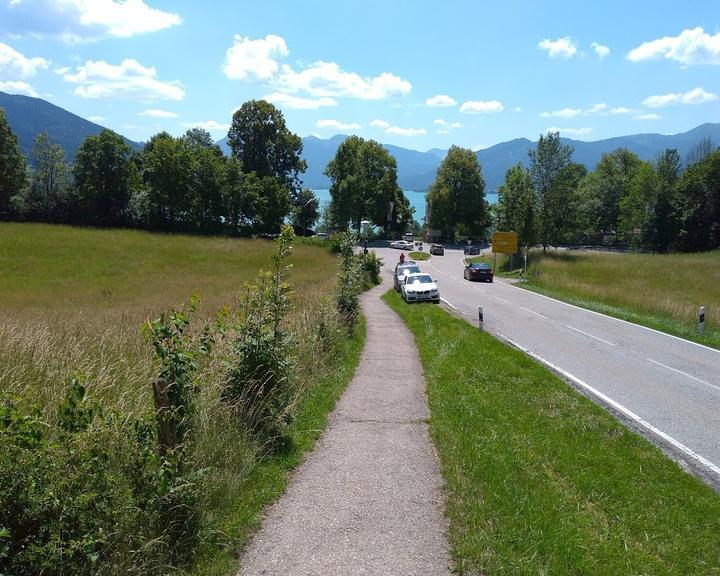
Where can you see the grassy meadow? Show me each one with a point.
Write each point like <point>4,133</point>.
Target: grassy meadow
<point>73,301</point>
<point>539,479</point>
<point>662,291</point>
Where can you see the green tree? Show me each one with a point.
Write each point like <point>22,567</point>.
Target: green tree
<point>305,211</point>
<point>49,187</point>
<point>168,170</point>
<point>456,198</point>
<point>206,193</point>
<point>637,206</point>
<point>12,166</point>
<point>104,176</point>
<point>259,138</point>
<point>517,208</point>
<point>549,160</point>
<point>697,205</point>
<point>363,176</point>
<point>662,226</point>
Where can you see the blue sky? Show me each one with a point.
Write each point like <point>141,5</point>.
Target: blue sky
<point>417,74</point>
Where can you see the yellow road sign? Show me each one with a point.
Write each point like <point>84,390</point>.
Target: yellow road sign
<point>505,243</point>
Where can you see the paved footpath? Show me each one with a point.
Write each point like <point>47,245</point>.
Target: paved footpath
<point>369,499</point>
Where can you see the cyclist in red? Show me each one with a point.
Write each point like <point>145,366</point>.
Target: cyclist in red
<point>402,257</point>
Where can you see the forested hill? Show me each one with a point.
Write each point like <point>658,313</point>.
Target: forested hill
<point>30,116</point>
<point>416,170</point>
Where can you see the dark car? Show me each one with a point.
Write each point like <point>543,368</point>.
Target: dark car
<point>478,271</point>
<point>472,250</point>
<point>437,250</point>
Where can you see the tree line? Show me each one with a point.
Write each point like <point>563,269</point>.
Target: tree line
<point>663,205</point>
<point>181,183</point>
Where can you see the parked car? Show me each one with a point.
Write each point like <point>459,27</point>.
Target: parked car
<point>478,271</point>
<point>437,250</point>
<point>408,267</point>
<point>419,287</point>
<point>401,245</point>
<point>472,250</point>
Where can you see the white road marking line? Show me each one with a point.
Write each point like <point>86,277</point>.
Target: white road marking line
<point>620,408</point>
<point>684,374</point>
<point>448,303</point>
<point>501,299</point>
<point>589,335</point>
<point>452,277</point>
<point>536,313</point>
<point>511,285</point>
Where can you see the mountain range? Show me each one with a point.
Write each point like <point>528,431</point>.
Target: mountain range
<point>416,170</point>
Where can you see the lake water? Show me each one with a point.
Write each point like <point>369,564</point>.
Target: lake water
<point>417,200</point>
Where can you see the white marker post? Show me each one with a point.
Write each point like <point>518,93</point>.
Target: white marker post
<point>701,320</point>
<point>481,320</point>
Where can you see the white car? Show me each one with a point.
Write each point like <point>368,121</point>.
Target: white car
<point>402,245</point>
<point>419,287</point>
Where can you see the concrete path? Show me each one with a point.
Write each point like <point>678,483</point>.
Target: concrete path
<point>369,499</point>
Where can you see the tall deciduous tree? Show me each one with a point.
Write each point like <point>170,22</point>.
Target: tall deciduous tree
<point>12,166</point>
<point>305,211</point>
<point>207,205</point>
<point>662,226</point>
<point>457,196</point>
<point>517,208</point>
<point>363,177</point>
<point>698,205</point>
<point>104,176</point>
<point>549,160</point>
<point>259,138</point>
<point>49,186</point>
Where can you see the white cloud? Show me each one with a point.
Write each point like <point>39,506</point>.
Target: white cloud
<point>689,47</point>
<point>560,48</point>
<point>647,117</point>
<point>406,131</point>
<point>695,96</point>
<point>209,125</point>
<point>620,110</point>
<point>14,63</point>
<point>443,131</point>
<point>600,50</point>
<point>129,79</point>
<point>329,80</point>
<point>481,107</point>
<point>18,87</point>
<point>574,112</point>
<point>445,124</point>
<point>155,113</point>
<point>260,61</point>
<point>96,119</point>
<point>337,125</point>
<point>254,60</point>
<point>517,109</point>
<point>298,102</point>
<point>79,20</point>
<point>570,131</point>
<point>396,130</point>
<point>440,101</point>
<point>564,113</point>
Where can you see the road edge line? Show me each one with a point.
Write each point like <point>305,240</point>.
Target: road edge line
<point>626,412</point>
<point>513,285</point>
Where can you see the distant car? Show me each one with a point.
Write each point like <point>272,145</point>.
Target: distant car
<point>419,287</point>
<point>437,250</point>
<point>401,245</point>
<point>321,236</point>
<point>472,250</point>
<point>408,267</point>
<point>478,271</point>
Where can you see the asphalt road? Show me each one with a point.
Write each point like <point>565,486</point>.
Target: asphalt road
<point>666,387</point>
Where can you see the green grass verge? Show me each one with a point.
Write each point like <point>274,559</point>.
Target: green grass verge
<point>540,480</point>
<point>241,512</point>
<point>420,256</point>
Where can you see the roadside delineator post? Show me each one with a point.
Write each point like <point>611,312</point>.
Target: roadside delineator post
<point>701,320</point>
<point>480,318</point>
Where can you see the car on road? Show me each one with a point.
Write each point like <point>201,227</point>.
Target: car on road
<point>419,287</point>
<point>478,271</point>
<point>408,267</point>
<point>437,250</point>
<point>401,245</point>
<point>472,250</point>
